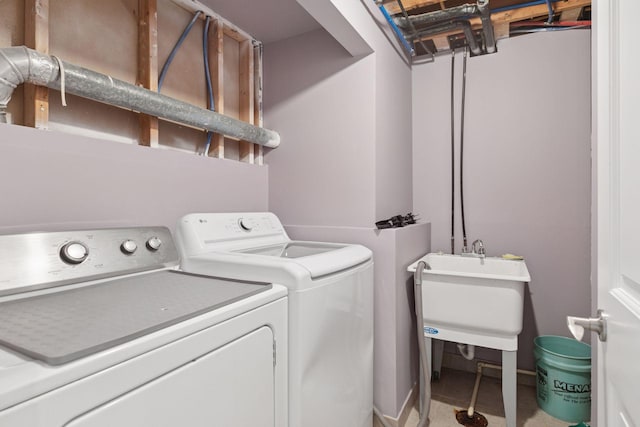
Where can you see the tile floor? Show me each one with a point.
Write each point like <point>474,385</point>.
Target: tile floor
<point>453,392</point>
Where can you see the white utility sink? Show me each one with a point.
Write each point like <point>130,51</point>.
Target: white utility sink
<point>476,301</point>
<point>473,300</point>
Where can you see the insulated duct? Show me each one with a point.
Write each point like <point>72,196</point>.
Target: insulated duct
<point>432,20</point>
<point>22,65</point>
<point>487,26</point>
<point>454,25</point>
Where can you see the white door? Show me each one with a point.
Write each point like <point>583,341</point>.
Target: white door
<point>617,126</point>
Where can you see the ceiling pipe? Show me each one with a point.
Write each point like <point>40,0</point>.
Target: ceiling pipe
<point>413,30</point>
<point>430,18</point>
<point>407,46</point>
<point>487,26</point>
<point>465,11</point>
<point>450,26</point>
<point>22,65</point>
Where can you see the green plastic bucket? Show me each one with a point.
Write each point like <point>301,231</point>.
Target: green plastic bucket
<point>563,368</point>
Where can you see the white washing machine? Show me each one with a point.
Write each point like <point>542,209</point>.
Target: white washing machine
<point>330,307</point>
<point>99,329</point>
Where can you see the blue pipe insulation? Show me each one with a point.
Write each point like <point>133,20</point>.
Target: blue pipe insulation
<point>396,30</point>
<point>207,75</point>
<point>167,63</point>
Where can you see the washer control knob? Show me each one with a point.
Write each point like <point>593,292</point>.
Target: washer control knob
<point>128,247</point>
<point>74,253</point>
<point>244,224</point>
<point>154,243</point>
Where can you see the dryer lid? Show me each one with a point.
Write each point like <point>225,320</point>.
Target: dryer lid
<point>63,326</point>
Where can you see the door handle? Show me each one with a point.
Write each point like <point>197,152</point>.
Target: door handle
<point>577,325</point>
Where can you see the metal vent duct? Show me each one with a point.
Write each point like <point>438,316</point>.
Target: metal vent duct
<point>22,65</point>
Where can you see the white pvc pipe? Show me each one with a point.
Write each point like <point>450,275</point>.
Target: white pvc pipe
<point>476,387</point>
<point>499,368</point>
<point>467,351</point>
<point>474,395</point>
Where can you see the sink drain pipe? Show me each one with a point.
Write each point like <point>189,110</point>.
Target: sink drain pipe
<point>22,65</point>
<point>468,351</point>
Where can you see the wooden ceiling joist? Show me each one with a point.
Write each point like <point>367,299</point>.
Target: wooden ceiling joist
<point>531,12</point>
<point>393,7</point>
<point>501,20</point>
<point>571,15</point>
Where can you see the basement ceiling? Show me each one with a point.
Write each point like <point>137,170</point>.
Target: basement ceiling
<point>427,27</point>
<point>274,20</point>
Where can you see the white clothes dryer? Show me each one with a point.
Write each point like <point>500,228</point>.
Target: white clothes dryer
<point>330,307</point>
<point>99,329</point>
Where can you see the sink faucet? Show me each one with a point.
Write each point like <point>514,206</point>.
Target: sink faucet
<point>479,251</point>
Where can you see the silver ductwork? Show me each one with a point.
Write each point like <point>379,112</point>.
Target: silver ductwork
<point>432,23</point>
<point>20,65</point>
<point>487,26</point>
<point>450,26</point>
<point>430,18</point>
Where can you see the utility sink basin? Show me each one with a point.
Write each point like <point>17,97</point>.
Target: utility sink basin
<point>473,300</point>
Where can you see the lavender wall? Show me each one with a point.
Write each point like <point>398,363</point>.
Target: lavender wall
<point>322,101</point>
<point>345,124</point>
<point>54,181</point>
<point>345,162</point>
<point>527,167</point>
<point>393,183</point>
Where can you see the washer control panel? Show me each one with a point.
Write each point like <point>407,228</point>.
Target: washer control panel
<point>39,260</point>
<point>129,247</point>
<point>245,224</point>
<point>225,227</point>
<point>74,252</point>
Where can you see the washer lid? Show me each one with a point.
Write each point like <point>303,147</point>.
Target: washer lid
<point>254,245</point>
<point>293,249</point>
<point>318,258</point>
<point>63,326</point>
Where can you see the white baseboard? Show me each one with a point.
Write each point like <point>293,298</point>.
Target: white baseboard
<point>403,416</point>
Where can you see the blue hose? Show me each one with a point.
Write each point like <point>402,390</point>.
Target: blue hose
<point>550,20</point>
<point>207,72</point>
<point>207,75</point>
<point>167,63</point>
<point>397,30</point>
